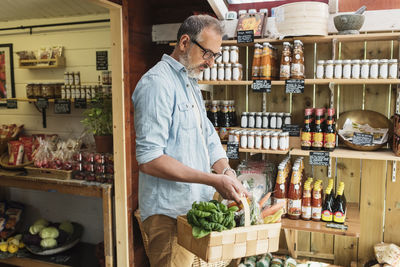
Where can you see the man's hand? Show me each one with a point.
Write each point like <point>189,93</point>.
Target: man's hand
<point>229,187</point>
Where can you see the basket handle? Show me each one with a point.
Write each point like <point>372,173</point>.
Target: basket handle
<point>246,209</point>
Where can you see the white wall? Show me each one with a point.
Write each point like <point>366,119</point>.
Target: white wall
<point>80,44</point>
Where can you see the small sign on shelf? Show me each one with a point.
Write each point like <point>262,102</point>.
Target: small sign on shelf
<point>232,150</point>
<point>293,129</point>
<point>261,86</point>
<point>295,86</point>
<point>12,103</point>
<point>362,139</point>
<point>245,36</point>
<point>62,106</point>
<point>80,103</point>
<point>319,158</point>
<point>42,103</point>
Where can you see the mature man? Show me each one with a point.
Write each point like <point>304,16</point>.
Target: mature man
<point>175,142</point>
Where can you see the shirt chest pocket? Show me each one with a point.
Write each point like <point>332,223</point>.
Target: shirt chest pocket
<point>186,115</point>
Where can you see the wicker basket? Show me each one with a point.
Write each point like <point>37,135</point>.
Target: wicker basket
<point>197,261</point>
<point>236,243</point>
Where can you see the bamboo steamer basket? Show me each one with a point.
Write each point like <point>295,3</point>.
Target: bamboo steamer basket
<point>302,18</point>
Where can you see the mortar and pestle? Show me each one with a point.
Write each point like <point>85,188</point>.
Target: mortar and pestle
<point>350,23</point>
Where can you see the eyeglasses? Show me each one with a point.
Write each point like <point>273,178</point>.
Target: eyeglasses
<point>208,54</point>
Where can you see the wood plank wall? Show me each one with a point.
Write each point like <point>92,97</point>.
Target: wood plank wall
<point>353,5</point>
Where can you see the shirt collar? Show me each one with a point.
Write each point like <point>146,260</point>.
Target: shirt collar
<point>173,63</point>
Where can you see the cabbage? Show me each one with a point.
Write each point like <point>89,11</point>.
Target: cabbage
<point>49,232</point>
<point>48,243</point>
<point>67,227</point>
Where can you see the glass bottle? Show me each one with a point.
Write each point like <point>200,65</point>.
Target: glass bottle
<point>288,119</point>
<point>297,66</point>
<point>256,60</point>
<point>280,192</point>
<point>225,54</point>
<point>265,120</point>
<point>214,72</point>
<point>318,133</point>
<point>258,120</point>
<point>234,54</point>
<point>339,206</point>
<point>221,72</point>
<point>243,139</point>
<point>294,195</point>
<point>316,202</point>
<point>330,131</point>
<point>282,141</point>
<point>306,134</point>
<point>274,141</point>
<point>306,202</point>
<point>272,120</point>
<point>214,113</point>
<point>285,61</point>
<point>236,76</point>
<point>266,140</point>
<point>326,214</point>
<point>224,119</point>
<point>228,72</point>
<point>206,74</point>
<point>244,120</point>
<point>250,140</point>
<point>279,120</point>
<point>251,120</point>
<point>258,140</point>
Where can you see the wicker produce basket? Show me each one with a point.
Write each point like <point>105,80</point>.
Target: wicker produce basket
<point>231,244</point>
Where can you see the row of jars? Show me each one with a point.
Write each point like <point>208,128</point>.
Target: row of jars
<point>265,120</point>
<point>221,113</point>
<point>356,69</point>
<point>83,91</point>
<point>267,140</point>
<point>230,54</point>
<point>72,78</point>
<point>43,90</point>
<point>223,72</point>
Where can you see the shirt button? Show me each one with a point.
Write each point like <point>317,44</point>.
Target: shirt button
<point>187,85</point>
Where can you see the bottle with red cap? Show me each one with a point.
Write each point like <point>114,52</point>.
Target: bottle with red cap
<point>330,131</point>
<point>317,131</point>
<point>306,132</point>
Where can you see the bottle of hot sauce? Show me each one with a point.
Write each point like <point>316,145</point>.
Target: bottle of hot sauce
<point>306,132</point>
<point>316,202</point>
<point>280,192</point>
<point>339,207</point>
<point>317,132</point>
<point>330,131</point>
<point>294,195</point>
<point>306,202</point>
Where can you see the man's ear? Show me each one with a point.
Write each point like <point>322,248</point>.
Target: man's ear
<point>184,43</point>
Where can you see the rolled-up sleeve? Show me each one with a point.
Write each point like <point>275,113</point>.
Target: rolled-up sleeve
<point>152,113</point>
<point>215,149</point>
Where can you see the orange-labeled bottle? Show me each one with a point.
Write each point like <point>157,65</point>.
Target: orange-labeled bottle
<point>317,132</point>
<point>306,202</point>
<point>306,132</point>
<point>294,195</point>
<point>280,192</point>
<point>316,202</point>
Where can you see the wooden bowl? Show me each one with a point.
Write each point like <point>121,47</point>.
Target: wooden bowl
<point>4,163</point>
<point>373,118</point>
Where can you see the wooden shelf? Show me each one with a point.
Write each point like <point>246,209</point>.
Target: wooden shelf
<point>33,63</point>
<point>312,81</point>
<point>352,221</point>
<point>263,151</point>
<point>226,82</point>
<point>51,100</point>
<point>255,129</point>
<point>383,154</point>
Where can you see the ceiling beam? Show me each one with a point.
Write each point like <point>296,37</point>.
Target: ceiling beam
<point>219,7</point>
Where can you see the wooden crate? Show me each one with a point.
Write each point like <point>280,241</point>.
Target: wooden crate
<point>49,173</point>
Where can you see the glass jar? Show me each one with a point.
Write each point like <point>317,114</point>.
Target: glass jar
<point>393,69</point>
<point>274,141</point>
<point>70,78</point>
<point>258,120</point>
<point>383,69</point>
<point>243,139</point>
<point>221,72</point>
<point>214,73</point>
<point>234,54</point>
<point>282,141</point>
<point>206,74</point>
<point>57,90</point>
<point>256,72</point>
<point>258,140</point>
<point>288,119</point>
<point>338,69</point>
<point>225,54</point>
<point>37,90</point>
<point>272,120</point>
<point>77,78</point>
<point>250,140</point>
<point>73,91</point>
<point>242,12</point>
<point>355,69</point>
<point>374,69</point>
<point>346,69</point>
<point>66,78</point>
<point>237,72</point>
<point>68,92</point>
<point>252,120</point>
<point>320,69</point>
<point>244,120</point>
<point>365,69</point>
<point>297,65</point>
<point>265,120</point>
<point>29,91</point>
<point>231,136</point>
<point>228,72</point>
<point>287,140</point>
<point>219,59</point>
<point>284,72</point>
<point>252,11</point>
<point>329,69</point>
<point>48,90</point>
<point>236,137</point>
<point>279,120</point>
<point>266,140</point>
<point>63,96</point>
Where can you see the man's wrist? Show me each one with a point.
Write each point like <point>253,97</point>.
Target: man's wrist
<point>227,170</point>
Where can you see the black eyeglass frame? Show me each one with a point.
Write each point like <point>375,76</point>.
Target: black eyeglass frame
<point>207,51</point>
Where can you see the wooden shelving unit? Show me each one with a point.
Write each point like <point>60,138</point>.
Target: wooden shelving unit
<point>383,154</point>
<point>42,63</point>
<point>226,82</point>
<point>51,100</point>
<point>312,82</point>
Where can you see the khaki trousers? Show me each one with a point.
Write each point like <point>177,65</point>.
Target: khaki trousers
<point>163,249</point>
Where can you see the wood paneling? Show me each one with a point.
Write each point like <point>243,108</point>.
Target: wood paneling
<point>392,212</point>
<point>353,5</point>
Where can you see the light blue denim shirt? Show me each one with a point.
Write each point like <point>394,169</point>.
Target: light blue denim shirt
<point>166,124</point>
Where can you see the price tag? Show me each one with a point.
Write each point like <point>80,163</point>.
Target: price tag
<point>101,60</point>
<point>232,150</point>
<point>245,36</point>
<point>11,103</point>
<point>261,86</point>
<point>319,158</point>
<point>362,139</point>
<point>62,106</point>
<point>42,103</point>
<point>80,103</point>
<point>294,86</point>
<point>293,129</point>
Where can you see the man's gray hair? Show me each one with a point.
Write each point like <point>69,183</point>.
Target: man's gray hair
<point>193,25</point>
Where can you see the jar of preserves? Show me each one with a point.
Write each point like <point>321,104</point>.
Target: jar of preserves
<point>274,141</point>
<point>279,120</point>
<point>243,139</point>
<point>244,119</point>
<point>70,78</point>
<point>252,120</point>
<point>29,91</point>
<point>329,69</point>
<point>285,61</point>
<point>219,59</point>
<point>320,69</point>
<point>237,72</point>
<point>57,90</point>
<point>228,72</point>
<point>214,73</point>
<point>338,69</point>
<point>47,90</point>
<point>272,120</point>
<point>297,66</point>
<point>37,90</point>
<point>214,113</point>
<point>282,141</point>
<point>346,69</point>
<point>383,69</point>
<point>266,140</point>
<point>66,78</point>
<point>63,95</point>
<point>258,140</point>
<point>77,78</point>
<point>234,54</point>
<point>265,120</point>
<point>355,69</point>
<point>258,120</point>
<point>224,118</point>
<point>206,74</point>
<point>231,136</point>
<point>287,119</point>
<point>73,91</point>
<point>221,72</point>
<point>236,137</point>
<point>225,54</point>
<point>68,92</point>
<point>393,69</point>
<point>256,61</point>
<point>374,69</point>
<point>365,69</point>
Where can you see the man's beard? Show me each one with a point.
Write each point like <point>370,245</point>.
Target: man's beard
<point>193,70</point>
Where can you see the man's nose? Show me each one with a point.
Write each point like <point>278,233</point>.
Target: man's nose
<point>210,62</point>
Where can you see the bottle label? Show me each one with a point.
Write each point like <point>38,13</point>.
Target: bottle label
<point>330,140</point>
<point>294,207</point>
<point>318,139</point>
<point>316,213</point>
<point>339,217</point>
<point>326,216</point>
<point>306,212</point>
<point>305,139</point>
<point>280,200</point>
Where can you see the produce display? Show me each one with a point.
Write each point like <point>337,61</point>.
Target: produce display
<point>93,167</point>
<point>267,260</point>
<point>10,215</point>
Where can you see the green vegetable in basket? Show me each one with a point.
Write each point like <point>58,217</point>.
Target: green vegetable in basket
<point>49,232</point>
<point>36,228</point>
<point>42,221</point>
<point>67,227</point>
<point>48,243</point>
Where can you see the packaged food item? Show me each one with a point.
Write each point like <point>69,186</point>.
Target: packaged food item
<point>387,253</point>
<point>285,61</point>
<point>15,152</point>
<point>297,66</point>
<point>28,148</point>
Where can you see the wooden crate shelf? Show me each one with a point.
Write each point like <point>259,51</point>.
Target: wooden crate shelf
<point>383,154</point>
<point>226,82</point>
<point>352,221</point>
<point>313,81</point>
<point>36,63</point>
<point>51,100</point>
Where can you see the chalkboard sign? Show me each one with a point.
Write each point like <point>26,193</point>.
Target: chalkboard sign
<point>261,86</point>
<point>293,129</point>
<point>319,158</point>
<point>245,36</point>
<point>11,103</point>
<point>294,86</point>
<point>42,103</point>
<point>101,60</point>
<point>232,150</point>
<point>80,103</point>
<point>362,139</point>
<point>62,106</point>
